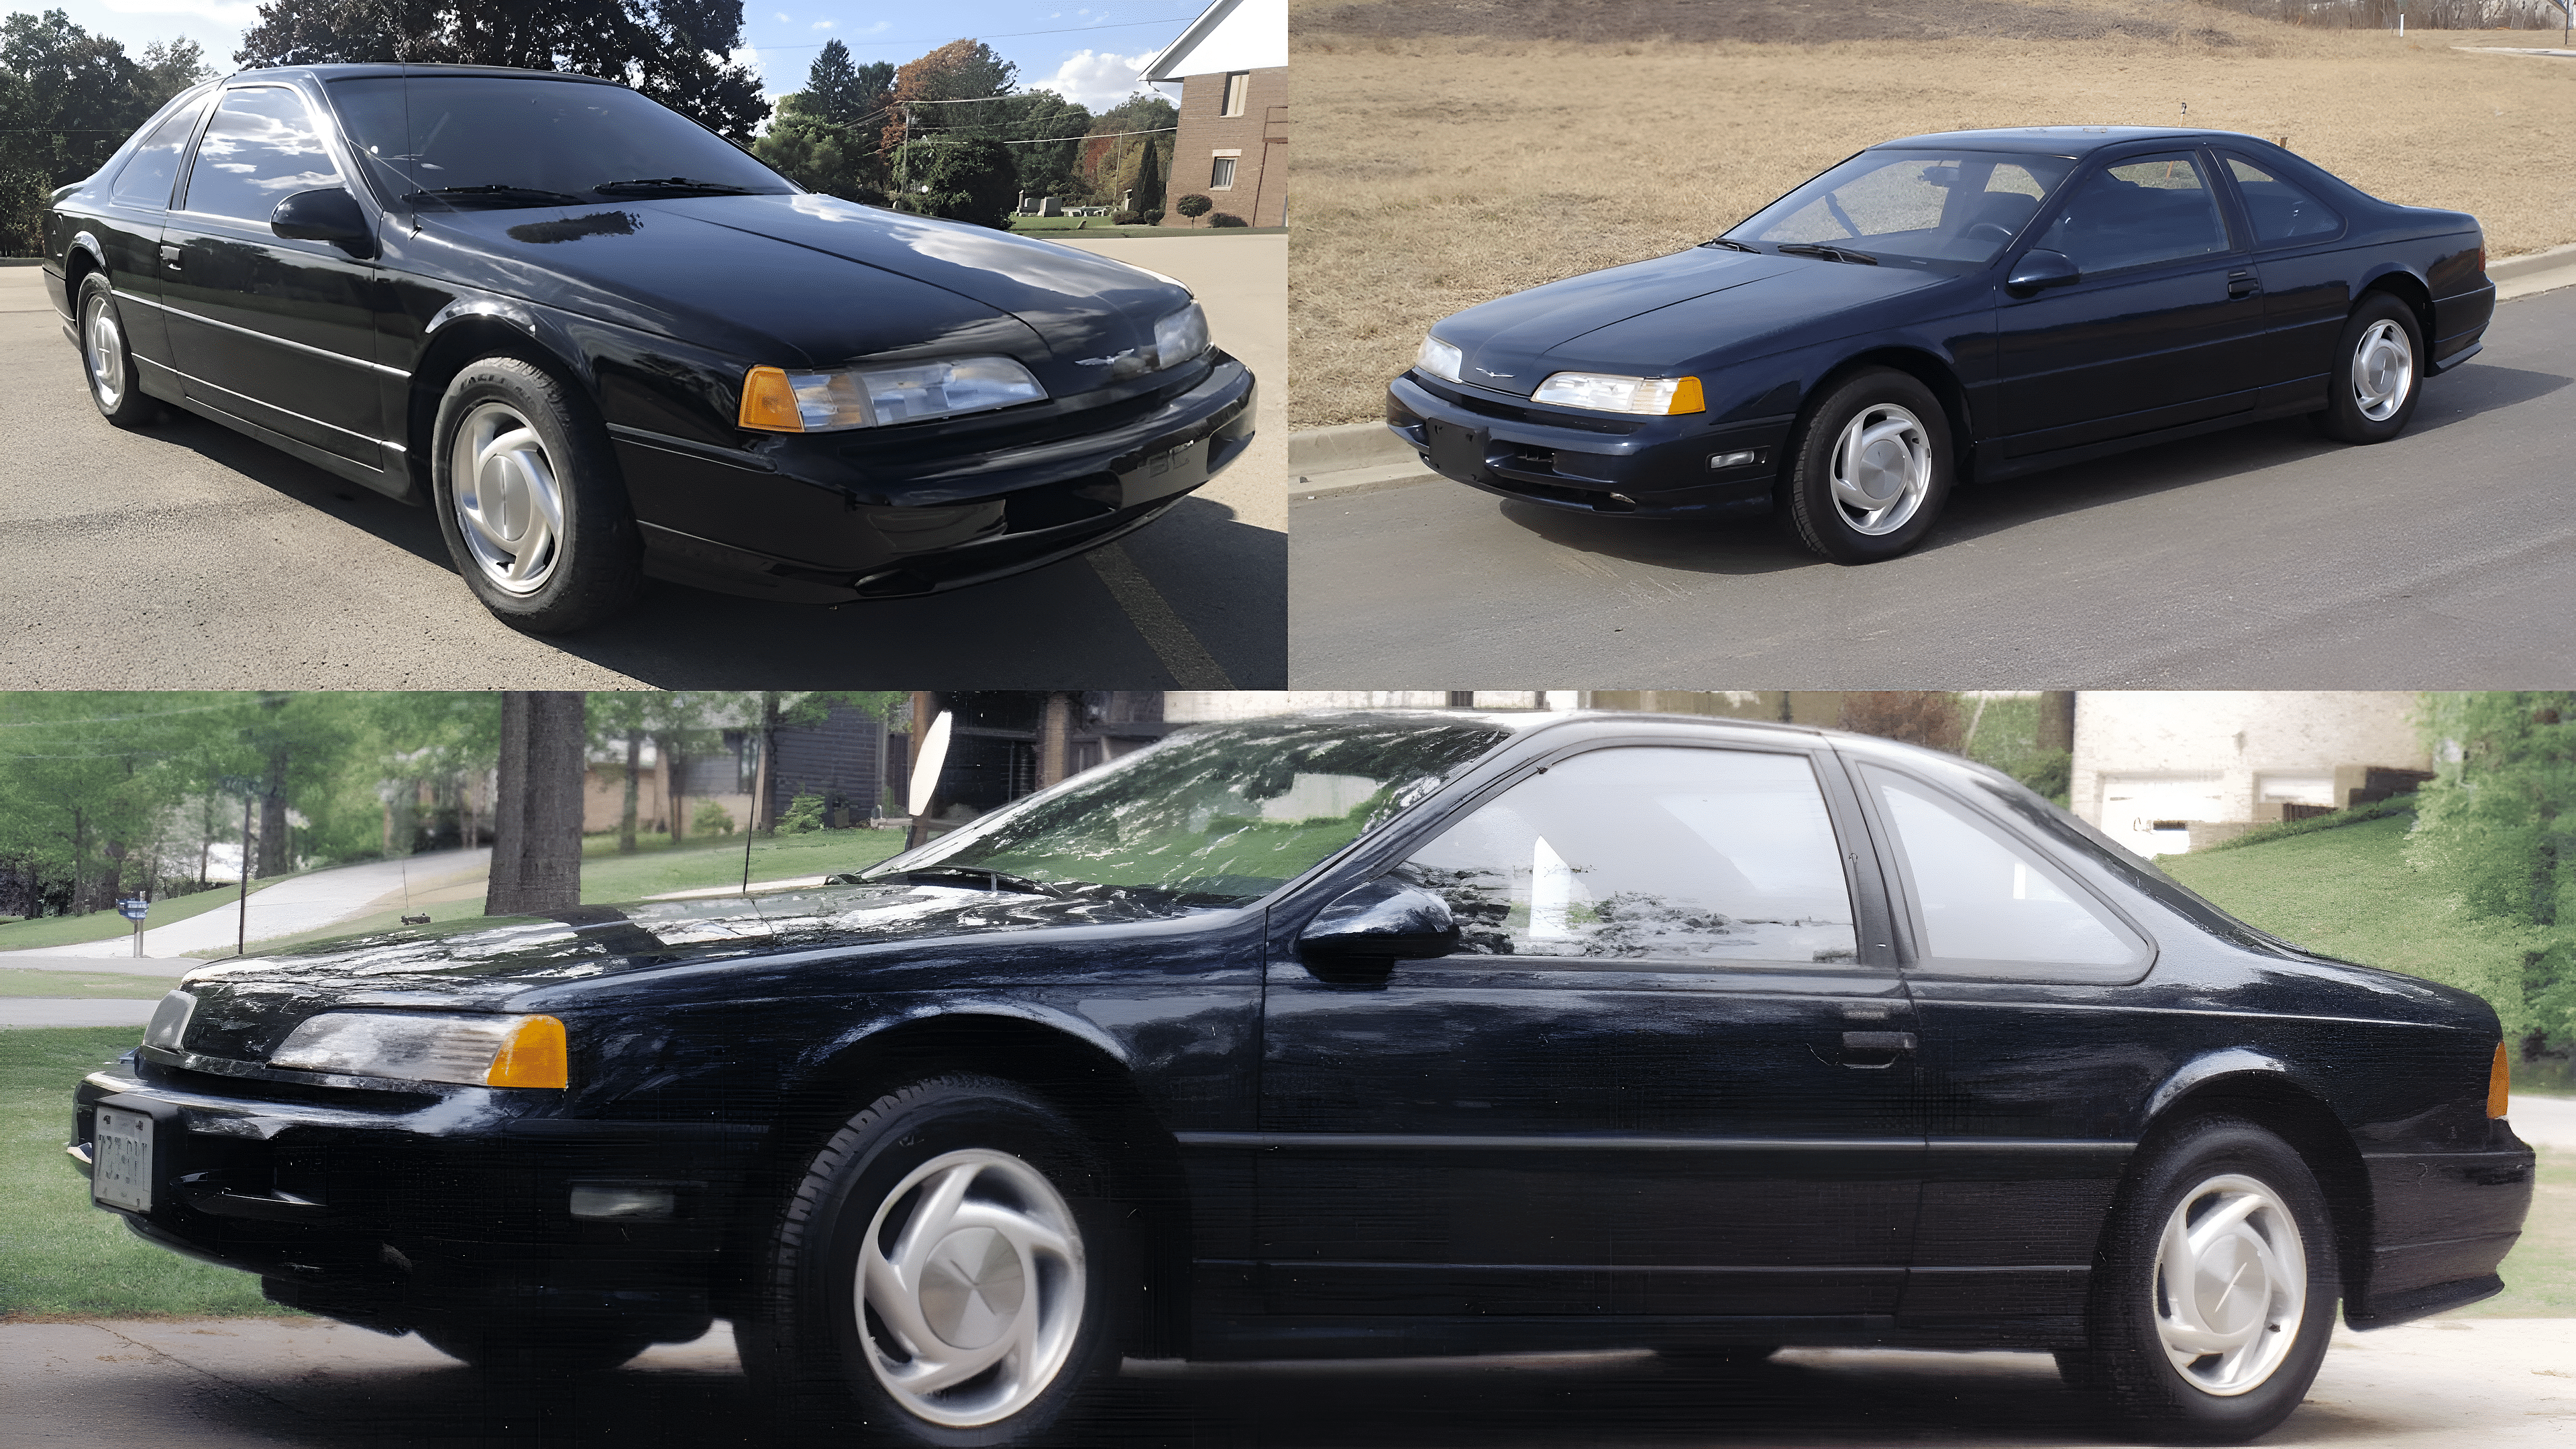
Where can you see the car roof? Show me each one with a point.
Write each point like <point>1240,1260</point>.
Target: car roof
<point>397,68</point>
<point>2058,140</point>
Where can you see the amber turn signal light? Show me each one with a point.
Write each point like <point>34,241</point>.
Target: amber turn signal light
<point>1686,398</point>
<point>533,1056</point>
<point>769,402</point>
<point>2499,1083</point>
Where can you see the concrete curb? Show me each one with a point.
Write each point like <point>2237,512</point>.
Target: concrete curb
<point>1365,457</point>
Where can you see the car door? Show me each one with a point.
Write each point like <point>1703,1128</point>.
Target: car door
<point>2014,966</point>
<point>2153,334</point>
<point>276,332</point>
<point>2307,280</point>
<point>1664,1074</point>
<point>128,231</point>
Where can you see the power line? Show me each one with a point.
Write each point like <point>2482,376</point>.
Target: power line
<point>1005,35</point>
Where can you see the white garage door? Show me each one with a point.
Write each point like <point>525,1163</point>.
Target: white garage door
<point>2134,807</point>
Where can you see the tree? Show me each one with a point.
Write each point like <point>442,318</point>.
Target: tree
<point>963,178</point>
<point>824,137</point>
<point>1143,181</point>
<point>68,99</point>
<point>930,95</point>
<point>1194,206</point>
<point>1109,148</point>
<point>536,835</point>
<point>671,50</point>
<point>1050,129</point>
<point>1924,717</point>
<point>2498,825</point>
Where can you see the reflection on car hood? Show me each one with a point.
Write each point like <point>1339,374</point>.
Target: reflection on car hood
<point>246,1007</point>
<point>1666,313</point>
<point>829,279</point>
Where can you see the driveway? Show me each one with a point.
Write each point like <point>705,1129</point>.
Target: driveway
<point>189,556</point>
<point>290,907</point>
<point>2261,558</point>
<point>304,1384</point>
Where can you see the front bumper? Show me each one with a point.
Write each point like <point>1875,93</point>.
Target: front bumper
<point>389,1209</point>
<point>1597,463</point>
<point>2441,1223</point>
<point>831,518</point>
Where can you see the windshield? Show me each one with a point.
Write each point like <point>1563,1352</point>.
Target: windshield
<point>1910,207</point>
<point>515,141</point>
<point>1222,815</point>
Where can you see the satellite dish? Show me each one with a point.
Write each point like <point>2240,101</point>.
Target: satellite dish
<point>925,768</point>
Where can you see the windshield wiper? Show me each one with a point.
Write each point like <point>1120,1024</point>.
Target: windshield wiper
<point>673,183</point>
<point>1831,254</point>
<point>1731,245</point>
<point>991,880</point>
<point>497,192</point>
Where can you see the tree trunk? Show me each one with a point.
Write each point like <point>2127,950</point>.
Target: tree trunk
<point>2056,720</point>
<point>675,784</point>
<point>1055,739</point>
<point>761,779</point>
<point>536,820</point>
<point>634,766</point>
<point>80,858</point>
<point>273,855</point>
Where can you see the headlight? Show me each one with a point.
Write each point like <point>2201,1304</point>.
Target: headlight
<point>479,1051</point>
<point>1439,359</point>
<point>1180,337</point>
<point>778,401</point>
<point>1610,393</point>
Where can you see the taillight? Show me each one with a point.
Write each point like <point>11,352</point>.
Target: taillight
<point>2499,1083</point>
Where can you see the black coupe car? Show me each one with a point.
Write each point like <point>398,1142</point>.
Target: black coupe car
<point>1978,304</point>
<point>603,342</point>
<point>1357,1034</point>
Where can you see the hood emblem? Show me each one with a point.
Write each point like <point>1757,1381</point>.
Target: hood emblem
<point>1489,372</point>
<point>1112,360</point>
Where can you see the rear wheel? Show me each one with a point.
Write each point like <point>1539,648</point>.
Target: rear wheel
<point>1872,468</point>
<point>2215,1290</point>
<point>115,387</point>
<point>2378,371</point>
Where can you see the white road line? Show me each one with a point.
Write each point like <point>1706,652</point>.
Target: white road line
<point>1192,666</point>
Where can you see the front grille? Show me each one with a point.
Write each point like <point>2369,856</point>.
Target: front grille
<point>268,1089</point>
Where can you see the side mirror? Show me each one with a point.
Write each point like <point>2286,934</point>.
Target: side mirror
<point>1359,937</point>
<point>331,215</point>
<point>2039,270</point>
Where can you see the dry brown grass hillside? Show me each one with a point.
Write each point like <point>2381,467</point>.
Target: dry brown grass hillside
<point>1451,153</point>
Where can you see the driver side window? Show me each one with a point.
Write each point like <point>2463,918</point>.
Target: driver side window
<point>260,149</point>
<point>2153,209</point>
<point>1650,854</point>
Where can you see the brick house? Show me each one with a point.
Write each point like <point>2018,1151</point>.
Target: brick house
<point>1232,67</point>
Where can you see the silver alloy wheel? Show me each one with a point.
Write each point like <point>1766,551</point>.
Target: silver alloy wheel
<point>973,1308</point>
<point>2383,370</point>
<point>1882,467</point>
<point>2231,1285</point>
<point>508,503</point>
<point>105,350</point>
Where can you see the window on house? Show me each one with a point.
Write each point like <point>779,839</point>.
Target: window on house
<point>1221,175</point>
<point>1238,87</point>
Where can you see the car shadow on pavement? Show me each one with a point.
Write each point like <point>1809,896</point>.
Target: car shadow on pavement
<point>1765,545</point>
<point>413,530</point>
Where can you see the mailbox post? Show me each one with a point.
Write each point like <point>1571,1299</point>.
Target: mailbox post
<point>134,910</point>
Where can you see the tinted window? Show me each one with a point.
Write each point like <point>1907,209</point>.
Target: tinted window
<point>145,180</point>
<point>1912,205</point>
<point>1982,899</point>
<point>260,149</point>
<point>2155,209</point>
<point>2281,212</point>
<point>433,133</point>
<point>1650,854</point>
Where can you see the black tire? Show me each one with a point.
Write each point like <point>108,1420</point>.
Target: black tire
<point>826,1359</point>
<point>541,569</point>
<point>2206,1166</point>
<point>107,363</point>
<point>2355,391</point>
<point>1911,432</point>
<point>519,1347</point>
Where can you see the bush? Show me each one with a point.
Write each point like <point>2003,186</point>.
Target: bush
<point>1126,218</point>
<point>969,179</point>
<point>804,816</point>
<point>1150,216</point>
<point>1194,205</point>
<point>711,818</point>
<point>1227,218</point>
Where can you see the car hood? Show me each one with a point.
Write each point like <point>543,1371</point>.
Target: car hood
<point>1667,313</point>
<point>824,279</point>
<point>246,1008</point>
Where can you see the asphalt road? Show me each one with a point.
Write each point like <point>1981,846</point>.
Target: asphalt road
<point>192,557</point>
<point>2264,557</point>
<point>266,1384</point>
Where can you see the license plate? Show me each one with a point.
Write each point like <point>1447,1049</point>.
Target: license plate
<point>120,1171</point>
<point>1456,452</point>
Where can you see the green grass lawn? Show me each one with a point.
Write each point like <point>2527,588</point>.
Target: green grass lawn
<point>44,931</point>
<point>59,1255</point>
<point>21,981</point>
<point>2540,1273</point>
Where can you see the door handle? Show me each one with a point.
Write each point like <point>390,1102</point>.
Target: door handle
<point>1872,1050</point>
<point>170,256</point>
<point>2242,284</point>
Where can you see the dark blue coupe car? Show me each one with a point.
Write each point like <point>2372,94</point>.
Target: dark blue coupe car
<point>1978,304</point>
<point>1357,1034</point>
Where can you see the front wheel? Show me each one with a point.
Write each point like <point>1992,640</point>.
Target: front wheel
<point>529,498</point>
<point>1872,468</point>
<point>2215,1290</point>
<point>948,1273</point>
<point>2378,370</point>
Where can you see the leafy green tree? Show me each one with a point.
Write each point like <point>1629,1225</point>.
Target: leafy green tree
<point>1143,181</point>
<point>2498,826</point>
<point>1049,130</point>
<point>1110,147</point>
<point>825,136</point>
<point>963,178</point>
<point>68,99</point>
<point>672,50</point>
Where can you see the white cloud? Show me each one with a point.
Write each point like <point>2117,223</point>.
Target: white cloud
<point>243,13</point>
<point>1096,78</point>
<point>876,29</point>
<point>748,56</point>
<point>783,18</point>
<point>823,24</point>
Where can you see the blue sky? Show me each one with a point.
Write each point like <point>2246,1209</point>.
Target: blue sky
<point>1088,50</point>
